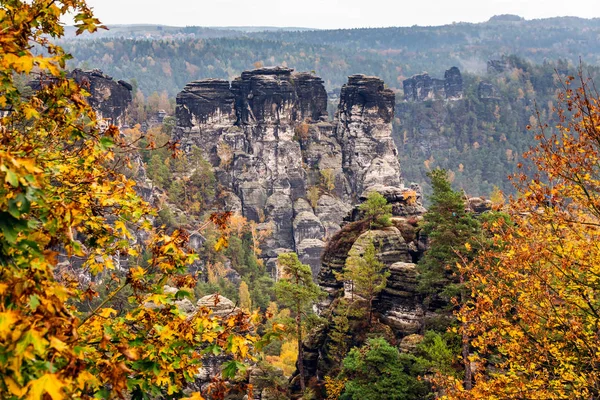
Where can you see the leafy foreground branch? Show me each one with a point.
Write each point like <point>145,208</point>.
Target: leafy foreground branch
<point>534,313</point>
<point>61,200</point>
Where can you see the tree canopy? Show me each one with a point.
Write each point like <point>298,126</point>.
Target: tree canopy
<point>533,317</point>
<point>67,213</point>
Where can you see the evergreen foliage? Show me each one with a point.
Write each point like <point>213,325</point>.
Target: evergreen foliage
<point>367,277</point>
<point>297,290</point>
<point>448,227</point>
<point>379,371</point>
<point>376,211</point>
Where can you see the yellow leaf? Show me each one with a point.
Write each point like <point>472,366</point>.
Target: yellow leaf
<point>48,383</point>
<point>7,322</point>
<point>86,378</point>
<point>222,243</point>
<point>58,344</point>
<point>468,246</point>
<point>14,387</point>
<point>194,396</point>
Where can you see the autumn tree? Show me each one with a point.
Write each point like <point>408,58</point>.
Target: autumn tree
<point>297,290</point>
<point>65,212</point>
<point>534,313</point>
<point>244,294</point>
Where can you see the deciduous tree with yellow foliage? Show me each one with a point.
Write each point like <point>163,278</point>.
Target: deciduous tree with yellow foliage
<point>534,316</point>
<point>62,198</point>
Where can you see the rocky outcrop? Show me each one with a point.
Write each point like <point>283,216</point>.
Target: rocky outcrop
<point>280,161</point>
<point>400,242</point>
<point>479,205</point>
<point>422,87</point>
<point>453,83</point>
<point>109,98</point>
<point>398,248</point>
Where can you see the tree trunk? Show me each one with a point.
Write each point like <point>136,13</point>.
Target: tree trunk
<point>300,350</point>
<point>468,383</point>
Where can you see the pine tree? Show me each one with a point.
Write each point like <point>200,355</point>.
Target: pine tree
<point>376,210</point>
<point>298,291</point>
<point>448,227</point>
<point>367,275</point>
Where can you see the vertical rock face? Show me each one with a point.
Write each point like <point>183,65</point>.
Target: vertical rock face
<point>110,99</point>
<point>364,131</point>
<point>422,87</point>
<point>268,138</point>
<point>453,83</point>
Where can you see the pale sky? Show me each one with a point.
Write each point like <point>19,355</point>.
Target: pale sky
<point>330,13</point>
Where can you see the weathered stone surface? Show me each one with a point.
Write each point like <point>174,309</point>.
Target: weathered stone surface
<point>269,141</point>
<point>364,130</point>
<point>307,226</point>
<point>219,305</point>
<point>108,98</point>
<point>309,252</point>
<point>453,84</point>
<point>479,205</point>
<point>422,87</point>
<point>331,211</point>
<point>399,304</point>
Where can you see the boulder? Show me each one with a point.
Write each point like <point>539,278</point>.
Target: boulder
<point>219,305</point>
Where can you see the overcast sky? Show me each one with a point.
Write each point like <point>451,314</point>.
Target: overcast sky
<point>330,13</point>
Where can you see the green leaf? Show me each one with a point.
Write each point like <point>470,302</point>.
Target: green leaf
<point>34,302</point>
<point>231,368</point>
<point>181,294</point>
<point>102,394</point>
<point>12,178</point>
<point>106,143</point>
<point>13,208</point>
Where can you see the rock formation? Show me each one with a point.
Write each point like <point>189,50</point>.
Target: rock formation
<point>108,98</point>
<point>422,87</point>
<point>280,161</point>
<point>398,247</point>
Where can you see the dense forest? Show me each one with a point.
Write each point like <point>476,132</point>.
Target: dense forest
<point>167,62</point>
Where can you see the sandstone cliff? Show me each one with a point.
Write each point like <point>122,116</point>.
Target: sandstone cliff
<point>422,87</point>
<point>109,98</point>
<point>278,158</point>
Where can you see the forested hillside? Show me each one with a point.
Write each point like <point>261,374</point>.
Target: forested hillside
<point>480,138</point>
<point>171,57</point>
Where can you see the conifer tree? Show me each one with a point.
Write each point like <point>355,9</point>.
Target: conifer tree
<point>376,210</point>
<point>298,291</point>
<point>449,227</point>
<point>367,275</point>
